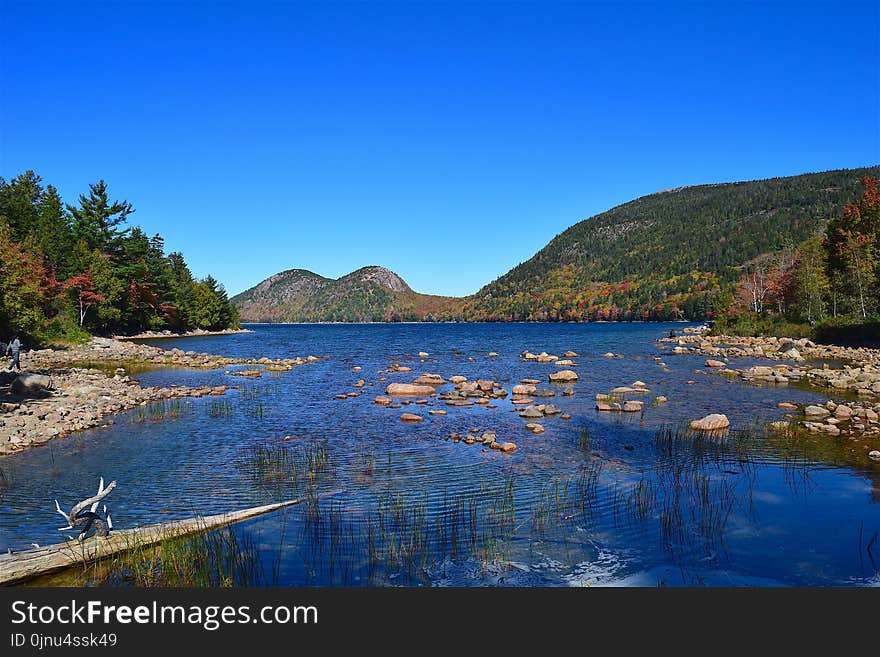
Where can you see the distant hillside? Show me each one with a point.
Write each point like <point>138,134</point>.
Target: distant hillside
<point>665,255</point>
<point>370,294</point>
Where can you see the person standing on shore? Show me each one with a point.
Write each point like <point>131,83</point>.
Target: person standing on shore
<point>14,348</point>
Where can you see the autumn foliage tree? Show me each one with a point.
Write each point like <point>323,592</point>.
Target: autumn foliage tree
<point>84,294</point>
<point>117,279</point>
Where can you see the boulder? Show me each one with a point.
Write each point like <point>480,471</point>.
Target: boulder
<point>816,411</point>
<point>408,390</point>
<point>563,376</point>
<point>523,389</point>
<point>382,401</point>
<point>530,412</point>
<point>632,406</point>
<point>511,447</point>
<point>411,417</point>
<point>714,363</point>
<point>534,427</point>
<point>429,380</point>
<point>843,412</point>
<point>31,385</point>
<point>713,422</point>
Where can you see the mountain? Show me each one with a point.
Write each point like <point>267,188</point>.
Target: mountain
<point>667,255</point>
<point>370,294</point>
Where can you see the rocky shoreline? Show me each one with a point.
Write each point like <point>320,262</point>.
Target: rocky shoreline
<point>148,335</point>
<point>855,382</point>
<point>62,391</point>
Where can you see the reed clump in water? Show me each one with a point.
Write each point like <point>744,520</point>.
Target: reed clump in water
<point>403,535</point>
<point>296,465</point>
<point>160,411</point>
<point>220,408</point>
<point>219,558</point>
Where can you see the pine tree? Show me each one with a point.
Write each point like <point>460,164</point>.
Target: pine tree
<point>97,220</point>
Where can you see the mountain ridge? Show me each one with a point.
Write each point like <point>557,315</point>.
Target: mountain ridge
<point>670,254</point>
<point>369,294</point>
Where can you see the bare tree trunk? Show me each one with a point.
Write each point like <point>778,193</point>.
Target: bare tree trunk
<point>858,269</point>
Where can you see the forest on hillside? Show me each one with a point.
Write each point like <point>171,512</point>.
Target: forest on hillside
<point>676,254</point>
<point>70,270</point>
<point>829,280</point>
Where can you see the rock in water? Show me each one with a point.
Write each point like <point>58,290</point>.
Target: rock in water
<point>31,385</point>
<point>714,363</point>
<point>411,417</point>
<point>713,422</point>
<point>408,390</point>
<point>817,411</point>
<point>564,376</point>
<point>531,412</point>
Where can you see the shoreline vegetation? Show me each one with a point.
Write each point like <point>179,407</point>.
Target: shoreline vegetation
<point>70,271</point>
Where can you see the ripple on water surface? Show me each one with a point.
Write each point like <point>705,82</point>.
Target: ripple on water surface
<point>601,499</point>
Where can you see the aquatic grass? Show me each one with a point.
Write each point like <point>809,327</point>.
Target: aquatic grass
<point>284,466</point>
<point>220,408</point>
<point>584,440</point>
<point>403,535</point>
<point>219,558</point>
<point>160,411</point>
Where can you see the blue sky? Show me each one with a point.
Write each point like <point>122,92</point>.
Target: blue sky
<point>446,141</point>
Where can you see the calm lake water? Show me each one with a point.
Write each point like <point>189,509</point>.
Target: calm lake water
<point>600,499</point>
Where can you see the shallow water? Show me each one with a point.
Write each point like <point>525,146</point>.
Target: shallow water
<point>750,510</point>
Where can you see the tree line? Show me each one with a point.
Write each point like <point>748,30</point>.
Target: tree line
<point>67,270</point>
<point>832,277</point>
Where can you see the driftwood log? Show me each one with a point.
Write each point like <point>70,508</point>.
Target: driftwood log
<point>85,514</point>
<point>22,566</point>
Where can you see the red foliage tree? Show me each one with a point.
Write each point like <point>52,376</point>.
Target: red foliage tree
<point>84,293</point>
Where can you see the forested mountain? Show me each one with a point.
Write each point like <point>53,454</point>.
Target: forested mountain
<point>66,270</point>
<point>370,294</point>
<point>667,255</point>
<point>676,254</point>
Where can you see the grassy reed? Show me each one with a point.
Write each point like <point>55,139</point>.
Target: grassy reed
<point>160,411</point>
<point>220,558</point>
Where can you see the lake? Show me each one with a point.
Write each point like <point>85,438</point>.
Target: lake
<point>599,499</point>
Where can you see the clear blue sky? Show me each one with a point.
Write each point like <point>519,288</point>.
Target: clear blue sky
<point>448,142</point>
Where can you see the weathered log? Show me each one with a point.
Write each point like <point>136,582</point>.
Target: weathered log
<point>22,566</point>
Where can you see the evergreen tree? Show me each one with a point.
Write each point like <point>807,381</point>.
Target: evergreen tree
<point>97,220</point>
